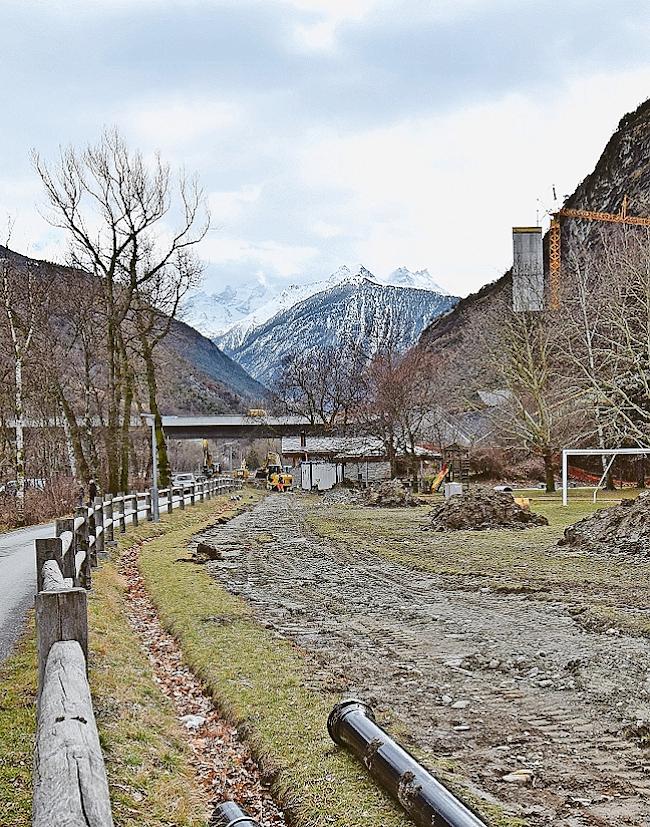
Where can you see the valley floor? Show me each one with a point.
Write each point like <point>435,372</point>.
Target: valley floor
<point>484,652</point>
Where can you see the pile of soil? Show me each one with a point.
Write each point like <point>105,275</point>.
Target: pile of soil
<point>390,494</point>
<point>341,496</point>
<point>623,528</point>
<point>480,510</point>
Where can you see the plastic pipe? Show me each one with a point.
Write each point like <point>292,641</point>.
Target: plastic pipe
<point>352,724</point>
<point>229,814</point>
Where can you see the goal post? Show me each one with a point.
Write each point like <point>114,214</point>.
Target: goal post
<point>591,452</point>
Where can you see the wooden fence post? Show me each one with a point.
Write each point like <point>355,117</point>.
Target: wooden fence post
<point>170,499</point>
<point>68,567</point>
<point>147,506</point>
<point>91,536</point>
<point>120,512</point>
<point>82,556</point>
<point>100,539</point>
<point>182,502</point>
<point>47,549</point>
<point>108,518</point>
<point>60,616</point>
<point>193,494</point>
<point>135,521</point>
<point>70,785</point>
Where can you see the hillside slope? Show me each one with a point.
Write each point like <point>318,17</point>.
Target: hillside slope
<point>195,376</point>
<point>622,169</point>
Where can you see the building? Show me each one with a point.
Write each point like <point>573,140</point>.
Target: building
<point>326,460</point>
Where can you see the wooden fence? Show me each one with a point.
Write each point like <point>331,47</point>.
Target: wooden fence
<point>70,786</point>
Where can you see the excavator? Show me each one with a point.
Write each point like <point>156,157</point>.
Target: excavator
<point>277,478</point>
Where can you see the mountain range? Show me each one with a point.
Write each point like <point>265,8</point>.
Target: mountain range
<point>228,315</point>
<point>347,308</point>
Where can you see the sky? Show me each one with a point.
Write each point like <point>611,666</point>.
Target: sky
<point>328,132</point>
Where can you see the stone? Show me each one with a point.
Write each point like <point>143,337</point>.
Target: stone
<point>520,776</point>
<point>460,705</point>
<point>193,722</point>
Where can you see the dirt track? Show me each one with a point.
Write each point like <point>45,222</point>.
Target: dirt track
<point>491,682</point>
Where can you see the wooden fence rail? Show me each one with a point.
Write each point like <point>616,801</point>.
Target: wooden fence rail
<point>70,786</point>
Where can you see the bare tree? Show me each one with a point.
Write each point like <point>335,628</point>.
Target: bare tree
<point>323,385</point>
<point>117,211</point>
<point>539,405</point>
<point>20,306</point>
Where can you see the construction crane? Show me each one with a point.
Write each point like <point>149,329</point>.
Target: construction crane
<point>554,242</point>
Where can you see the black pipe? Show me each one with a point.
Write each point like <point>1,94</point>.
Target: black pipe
<point>352,724</point>
<point>229,814</point>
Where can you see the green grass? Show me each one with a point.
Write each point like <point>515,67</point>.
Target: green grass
<point>601,591</point>
<point>17,729</point>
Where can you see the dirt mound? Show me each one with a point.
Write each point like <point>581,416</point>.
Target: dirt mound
<point>390,494</point>
<point>623,528</point>
<point>480,510</point>
<point>341,496</point>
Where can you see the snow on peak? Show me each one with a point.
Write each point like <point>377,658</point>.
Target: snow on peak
<point>419,279</point>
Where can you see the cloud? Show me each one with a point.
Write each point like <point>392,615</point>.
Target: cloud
<point>281,259</point>
<point>444,191</point>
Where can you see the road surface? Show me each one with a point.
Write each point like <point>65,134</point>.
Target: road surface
<point>17,580</point>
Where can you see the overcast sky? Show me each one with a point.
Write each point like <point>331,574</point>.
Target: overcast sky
<point>329,131</point>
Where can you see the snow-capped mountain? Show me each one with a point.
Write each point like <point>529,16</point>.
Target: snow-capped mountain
<point>349,307</point>
<point>212,313</point>
<point>420,279</point>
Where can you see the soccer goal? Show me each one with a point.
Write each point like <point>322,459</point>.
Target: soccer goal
<point>612,453</point>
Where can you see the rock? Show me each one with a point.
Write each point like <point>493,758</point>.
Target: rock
<point>446,699</point>
<point>205,553</point>
<point>462,728</point>
<point>545,683</point>
<point>193,722</point>
<point>460,705</point>
<point>483,509</point>
<point>494,664</point>
<point>521,776</point>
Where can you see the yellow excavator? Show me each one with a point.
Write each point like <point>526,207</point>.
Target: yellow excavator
<point>242,473</point>
<point>277,479</point>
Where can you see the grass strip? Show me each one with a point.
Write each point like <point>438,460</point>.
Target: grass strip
<point>260,682</point>
<point>17,730</point>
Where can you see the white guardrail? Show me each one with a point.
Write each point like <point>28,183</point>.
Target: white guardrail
<point>70,786</point>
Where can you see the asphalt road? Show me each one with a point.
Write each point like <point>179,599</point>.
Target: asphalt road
<point>17,581</point>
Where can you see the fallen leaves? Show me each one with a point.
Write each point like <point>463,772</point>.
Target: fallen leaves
<point>223,764</point>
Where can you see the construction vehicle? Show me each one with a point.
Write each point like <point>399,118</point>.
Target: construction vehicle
<point>555,238</point>
<point>242,473</point>
<point>277,477</point>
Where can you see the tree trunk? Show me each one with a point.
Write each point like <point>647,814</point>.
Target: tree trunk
<point>164,470</point>
<point>20,444</point>
<point>126,432</point>
<point>112,428</point>
<point>78,465</point>
<point>640,472</point>
<point>549,472</point>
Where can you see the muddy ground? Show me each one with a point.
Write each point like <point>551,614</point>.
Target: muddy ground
<point>484,682</point>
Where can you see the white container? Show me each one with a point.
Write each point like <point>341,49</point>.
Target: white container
<point>452,489</point>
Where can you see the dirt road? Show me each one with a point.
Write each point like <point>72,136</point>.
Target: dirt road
<point>489,682</point>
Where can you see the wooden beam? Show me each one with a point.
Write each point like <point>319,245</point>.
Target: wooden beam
<point>70,785</point>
